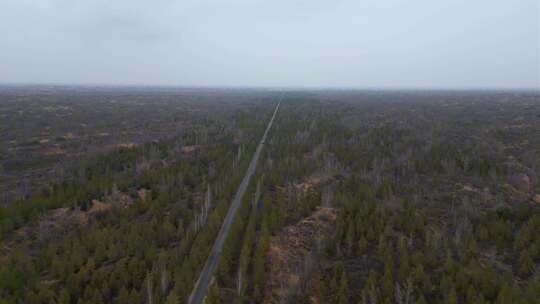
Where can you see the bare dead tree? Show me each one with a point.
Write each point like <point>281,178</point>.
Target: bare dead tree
<point>403,293</point>
<point>369,297</point>
<point>327,196</point>
<point>257,194</point>
<point>164,279</point>
<point>239,281</point>
<point>149,291</point>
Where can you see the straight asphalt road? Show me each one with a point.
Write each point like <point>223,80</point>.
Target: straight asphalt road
<point>201,287</point>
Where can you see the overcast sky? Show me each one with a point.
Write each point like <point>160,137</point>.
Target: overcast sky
<point>329,43</point>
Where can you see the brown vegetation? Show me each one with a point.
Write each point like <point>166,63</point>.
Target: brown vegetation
<point>291,251</point>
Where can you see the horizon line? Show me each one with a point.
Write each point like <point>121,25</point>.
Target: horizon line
<point>272,87</point>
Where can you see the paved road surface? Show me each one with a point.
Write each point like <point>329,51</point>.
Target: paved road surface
<point>201,287</point>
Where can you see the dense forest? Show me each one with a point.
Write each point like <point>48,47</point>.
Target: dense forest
<point>358,197</point>
<point>139,220</point>
<point>435,195</point>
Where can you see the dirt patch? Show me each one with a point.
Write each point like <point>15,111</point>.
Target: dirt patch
<point>61,220</point>
<point>69,136</point>
<point>129,145</point>
<point>98,207</point>
<point>469,188</point>
<point>50,151</point>
<point>187,150</point>
<point>521,182</point>
<point>291,250</point>
<point>313,182</point>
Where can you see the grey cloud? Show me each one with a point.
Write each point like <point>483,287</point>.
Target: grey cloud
<point>358,43</point>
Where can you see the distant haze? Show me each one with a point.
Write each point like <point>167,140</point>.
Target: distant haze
<point>308,43</point>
